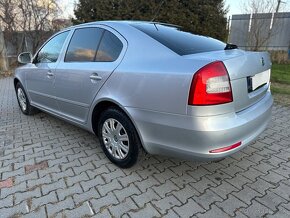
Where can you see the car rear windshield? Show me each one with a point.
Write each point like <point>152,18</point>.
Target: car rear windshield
<point>179,41</point>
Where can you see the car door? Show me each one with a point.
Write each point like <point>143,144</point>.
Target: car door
<point>40,78</point>
<point>92,55</point>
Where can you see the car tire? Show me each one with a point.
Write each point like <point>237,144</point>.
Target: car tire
<point>23,101</point>
<point>118,138</point>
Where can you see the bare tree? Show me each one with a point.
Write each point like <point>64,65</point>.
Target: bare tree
<point>38,19</point>
<point>262,22</point>
<point>32,18</point>
<point>259,6</point>
<point>8,18</point>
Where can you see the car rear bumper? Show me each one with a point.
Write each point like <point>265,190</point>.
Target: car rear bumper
<point>193,137</point>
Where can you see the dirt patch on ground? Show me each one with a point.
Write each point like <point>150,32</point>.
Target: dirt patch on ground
<point>8,73</point>
<point>281,93</point>
<point>282,99</point>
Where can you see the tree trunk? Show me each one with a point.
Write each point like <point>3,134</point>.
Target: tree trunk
<point>3,57</point>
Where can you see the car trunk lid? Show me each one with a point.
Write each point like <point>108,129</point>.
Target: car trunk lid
<point>249,74</point>
<point>250,77</point>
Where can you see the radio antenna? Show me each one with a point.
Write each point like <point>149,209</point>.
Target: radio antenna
<point>157,10</point>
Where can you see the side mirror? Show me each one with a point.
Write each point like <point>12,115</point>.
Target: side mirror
<point>24,58</point>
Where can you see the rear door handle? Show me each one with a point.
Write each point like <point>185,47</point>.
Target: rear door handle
<point>95,76</point>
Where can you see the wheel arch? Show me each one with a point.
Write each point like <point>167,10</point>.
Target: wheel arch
<point>19,79</point>
<point>104,105</point>
<point>15,81</point>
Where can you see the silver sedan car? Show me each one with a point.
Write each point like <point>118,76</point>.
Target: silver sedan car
<point>152,86</point>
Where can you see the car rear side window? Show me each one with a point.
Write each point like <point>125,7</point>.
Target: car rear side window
<point>83,45</point>
<point>181,42</point>
<point>110,48</point>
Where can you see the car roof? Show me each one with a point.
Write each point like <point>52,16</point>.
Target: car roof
<point>120,22</point>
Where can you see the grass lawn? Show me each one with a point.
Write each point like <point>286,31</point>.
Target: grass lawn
<point>281,73</point>
<point>280,86</point>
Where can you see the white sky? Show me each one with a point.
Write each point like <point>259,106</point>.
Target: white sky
<point>237,6</point>
<point>234,6</point>
<point>67,7</point>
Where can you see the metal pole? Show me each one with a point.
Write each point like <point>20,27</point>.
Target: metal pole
<point>278,6</point>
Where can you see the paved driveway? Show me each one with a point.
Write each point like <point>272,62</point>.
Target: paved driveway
<point>51,168</point>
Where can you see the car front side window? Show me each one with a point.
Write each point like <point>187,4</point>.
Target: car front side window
<point>50,51</point>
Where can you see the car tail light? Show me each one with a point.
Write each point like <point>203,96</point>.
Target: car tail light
<point>211,85</point>
<point>219,150</point>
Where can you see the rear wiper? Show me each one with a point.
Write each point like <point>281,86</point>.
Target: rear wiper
<point>230,46</point>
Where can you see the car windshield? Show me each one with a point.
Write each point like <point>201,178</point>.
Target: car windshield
<point>179,41</point>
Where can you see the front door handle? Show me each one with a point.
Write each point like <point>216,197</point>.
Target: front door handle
<point>95,77</point>
<point>49,74</point>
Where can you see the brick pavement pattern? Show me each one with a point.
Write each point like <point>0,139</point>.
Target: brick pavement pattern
<point>49,168</point>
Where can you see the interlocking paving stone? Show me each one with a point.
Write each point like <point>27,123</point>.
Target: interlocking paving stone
<point>246,195</point>
<point>145,197</point>
<point>81,211</point>
<point>20,196</point>
<point>76,179</point>
<point>147,183</point>
<point>7,202</point>
<point>281,213</point>
<point>13,190</point>
<point>5,169</point>
<point>166,203</point>
<point>271,200</point>
<point>7,183</point>
<point>206,199</point>
<point>12,173</point>
<point>238,181</point>
<point>282,190</point>
<point>147,211</point>
<point>184,194</point>
<point>126,192</point>
<point>38,166</point>
<point>203,184</point>
<point>43,200</point>
<point>133,177</point>
<point>104,202</point>
<point>214,211</point>
<point>123,207</point>
<point>39,212</point>
<point>14,211</point>
<point>170,214</point>
<point>85,196</point>
<point>54,208</point>
<point>224,189</point>
<point>63,193</point>
<point>256,210</point>
<point>261,186</point>
<point>188,209</point>
<point>231,205</point>
<point>103,214</point>
<point>164,189</point>
<point>38,181</point>
<point>60,184</point>
<point>105,187</point>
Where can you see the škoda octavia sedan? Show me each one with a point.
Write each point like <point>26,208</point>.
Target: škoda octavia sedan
<point>147,85</point>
